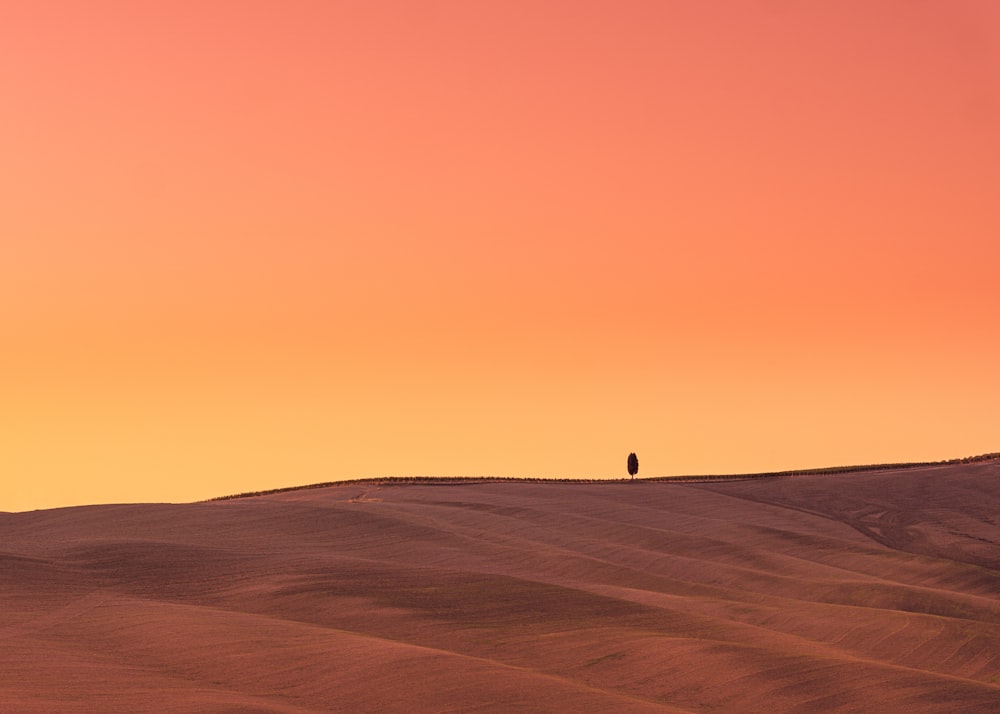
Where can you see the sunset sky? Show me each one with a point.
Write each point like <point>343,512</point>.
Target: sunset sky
<point>254,244</point>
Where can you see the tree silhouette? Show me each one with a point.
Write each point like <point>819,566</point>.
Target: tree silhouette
<point>633,465</point>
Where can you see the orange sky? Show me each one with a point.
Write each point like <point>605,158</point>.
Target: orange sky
<point>246,245</point>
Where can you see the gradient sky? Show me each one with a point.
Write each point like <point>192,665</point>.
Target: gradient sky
<point>254,244</point>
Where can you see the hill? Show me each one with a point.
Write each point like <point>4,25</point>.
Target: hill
<point>868,590</point>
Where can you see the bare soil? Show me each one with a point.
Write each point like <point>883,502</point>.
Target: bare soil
<point>849,592</point>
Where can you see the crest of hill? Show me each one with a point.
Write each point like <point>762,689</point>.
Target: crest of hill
<point>465,480</point>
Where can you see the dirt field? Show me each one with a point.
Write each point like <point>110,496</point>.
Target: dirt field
<point>853,592</point>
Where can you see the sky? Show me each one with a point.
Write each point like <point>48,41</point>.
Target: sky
<point>256,244</point>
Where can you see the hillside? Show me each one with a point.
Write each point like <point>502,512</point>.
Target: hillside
<point>855,591</point>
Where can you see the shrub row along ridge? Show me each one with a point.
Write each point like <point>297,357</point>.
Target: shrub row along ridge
<point>464,480</point>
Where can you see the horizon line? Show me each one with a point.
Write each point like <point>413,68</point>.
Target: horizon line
<point>686,478</point>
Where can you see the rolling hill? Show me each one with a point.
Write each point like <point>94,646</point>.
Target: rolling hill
<point>867,590</point>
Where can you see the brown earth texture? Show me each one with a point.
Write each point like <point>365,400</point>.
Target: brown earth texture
<point>871,592</point>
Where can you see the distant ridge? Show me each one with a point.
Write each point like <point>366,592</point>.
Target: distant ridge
<point>463,480</point>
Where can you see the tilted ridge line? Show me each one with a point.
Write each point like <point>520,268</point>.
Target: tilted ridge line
<point>468,480</point>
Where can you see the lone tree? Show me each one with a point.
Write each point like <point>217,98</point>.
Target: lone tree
<point>633,465</point>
